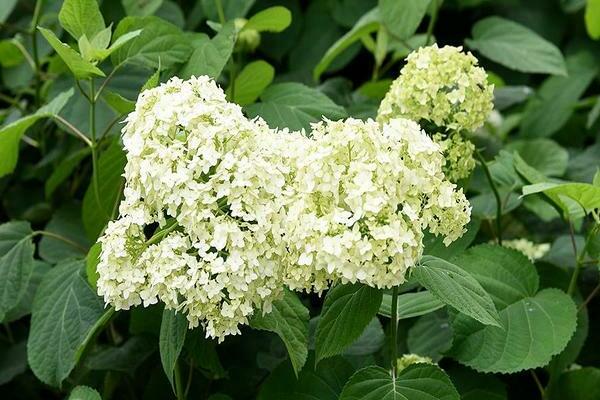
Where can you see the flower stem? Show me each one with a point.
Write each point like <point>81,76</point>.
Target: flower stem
<point>496,195</point>
<point>179,389</point>
<point>34,50</point>
<point>394,316</point>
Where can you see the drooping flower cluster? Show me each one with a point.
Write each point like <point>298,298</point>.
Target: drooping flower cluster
<point>458,153</point>
<point>440,85</point>
<point>533,251</point>
<point>221,212</point>
<point>364,195</point>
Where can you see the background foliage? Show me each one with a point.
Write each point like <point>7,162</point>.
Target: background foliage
<point>71,71</point>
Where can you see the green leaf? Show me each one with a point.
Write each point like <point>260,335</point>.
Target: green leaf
<point>6,8</point>
<point>84,393</point>
<point>515,46</point>
<point>65,311</point>
<point>289,320</point>
<point>126,358</point>
<point>543,154</point>
<point>141,8</point>
<point>534,327</point>
<point>533,330</point>
<point>10,135</point>
<point>16,264</point>
<point>81,17</point>
<point>506,275</point>
<point>23,308</point>
<point>173,329</point>
<point>65,168</point>
<point>159,43</point>
<point>592,18</point>
<point>91,263</point>
<point>294,106</point>
<point>252,81</point>
<point>411,304</point>
<point>474,386</point>
<point>117,102</point>
<point>457,288</point>
<point>98,210</point>
<point>430,336</point>
<point>417,382</point>
<point>434,245</point>
<point>578,384</point>
<point>403,17</point>
<point>584,194</point>
<point>554,103</point>
<point>81,68</point>
<point>13,361</point>
<point>66,222</point>
<point>210,55</point>
<point>366,25</point>
<point>11,55</point>
<point>272,19</point>
<point>325,382</point>
<point>369,342</point>
<point>346,312</point>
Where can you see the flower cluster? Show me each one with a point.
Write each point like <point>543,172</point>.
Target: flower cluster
<point>365,193</point>
<point>458,153</point>
<point>217,181</point>
<point>220,212</point>
<point>440,85</point>
<point>533,251</point>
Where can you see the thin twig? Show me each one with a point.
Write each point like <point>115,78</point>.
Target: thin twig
<point>496,195</point>
<point>74,130</point>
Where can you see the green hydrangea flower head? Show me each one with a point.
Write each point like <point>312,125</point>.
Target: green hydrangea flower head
<point>458,153</point>
<point>440,85</point>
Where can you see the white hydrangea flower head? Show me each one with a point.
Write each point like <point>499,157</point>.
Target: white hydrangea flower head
<point>364,195</point>
<point>221,179</point>
<point>533,251</point>
<point>458,153</point>
<point>440,85</point>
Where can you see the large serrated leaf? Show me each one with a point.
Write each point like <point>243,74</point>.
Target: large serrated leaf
<point>324,382</point>
<point>210,56</point>
<point>10,135</point>
<point>289,320</point>
<point>347,311</point>
<point>16,264</point>
<point>457,288</point>
<point>81,17</point>
<point>294,106</point>
<point>417,382</point>
<point>173,329</point>
<point>65,311</point>
<point>535,327</point>
<point>533,330</point>
<point>410,304</point>
<point>516,47</point>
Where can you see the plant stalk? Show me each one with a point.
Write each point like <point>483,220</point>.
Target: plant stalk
<point>34,50</point>
<point>394,332</point>
<point>496,195</point>
<point>432,21</point>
